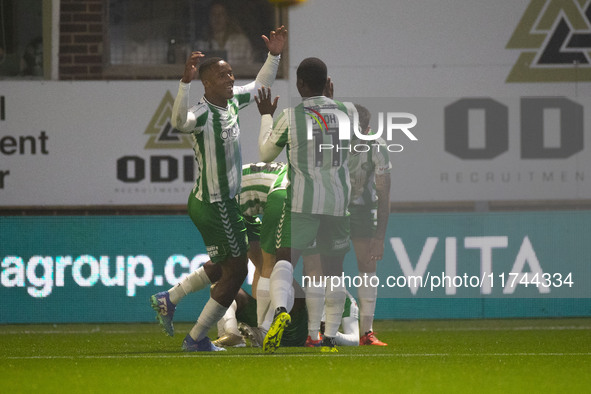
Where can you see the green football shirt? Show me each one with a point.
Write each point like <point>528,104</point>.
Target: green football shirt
<point>216,135</point>
<point>258,180</point>
<point>318,173</point>
<point>216,142</point>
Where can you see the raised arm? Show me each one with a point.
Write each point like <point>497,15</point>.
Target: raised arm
<point>268,150</point>
<point>276,40</point>
<point>181,118</point>
<point>275,44</point>
<point>266,75</point>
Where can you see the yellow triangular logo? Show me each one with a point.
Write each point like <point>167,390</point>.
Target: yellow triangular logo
<point>162,134</point>
<point>555,39</point>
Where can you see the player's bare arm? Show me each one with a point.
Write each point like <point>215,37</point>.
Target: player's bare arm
<point>275,44</point>
<point>376,245</point>
<point>268,151</point>
<point>276,40</point>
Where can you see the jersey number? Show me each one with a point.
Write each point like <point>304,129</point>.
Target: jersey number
<point>320,148</point>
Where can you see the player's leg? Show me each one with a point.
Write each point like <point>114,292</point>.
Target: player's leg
<point>333,245</point>
<point>366,293</point>
<point>263,294</point>
<point>296,332</point>
<point>197,280</point>
<point>293,334</point>
<point>334,300</point>
<point>253,233</point>
<point>228,333</point>
<point>233,273</point>
<point>349,324</point>
<point>240,310</point>
<point>246,315</point>
<point>363,225</point>
<point>255,255</point>
<point>280,284</point>
<point>295,232</point>
<point>165,302</point>
<point>224,234</point>
<point>271,218</point>
<point>314,288</point>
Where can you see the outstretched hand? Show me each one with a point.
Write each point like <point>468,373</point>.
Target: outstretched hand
<point>276,40</point>
<point>191,66</point>
<point>264,103</point>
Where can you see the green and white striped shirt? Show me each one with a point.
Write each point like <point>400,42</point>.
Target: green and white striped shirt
<point>318,179</point>
<point>216,142</point>
<point>363,167</point>
<point>258,181</point>
<point>216,135</point>
<point>282,180</point>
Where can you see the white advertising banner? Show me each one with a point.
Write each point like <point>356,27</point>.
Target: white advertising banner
<point>111,143</point>
<point>500,92</point>
<point>492,149</point>
<point>98,143</point>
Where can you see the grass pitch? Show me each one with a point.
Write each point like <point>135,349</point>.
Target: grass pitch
<point>549,355</point>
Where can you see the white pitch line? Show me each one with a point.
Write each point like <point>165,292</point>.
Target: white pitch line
<point>50,332</point>
<point>422,329</point>
<point>201,355</point>
<point>525,328</point>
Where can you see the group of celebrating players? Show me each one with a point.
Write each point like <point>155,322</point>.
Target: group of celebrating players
<point>313,206</point>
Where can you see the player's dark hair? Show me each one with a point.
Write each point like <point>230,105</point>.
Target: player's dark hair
<point>312,71</point>
<point>207,65</point>
<point>364,116</point>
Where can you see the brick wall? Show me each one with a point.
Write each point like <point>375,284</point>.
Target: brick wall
<point>82,26</point>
